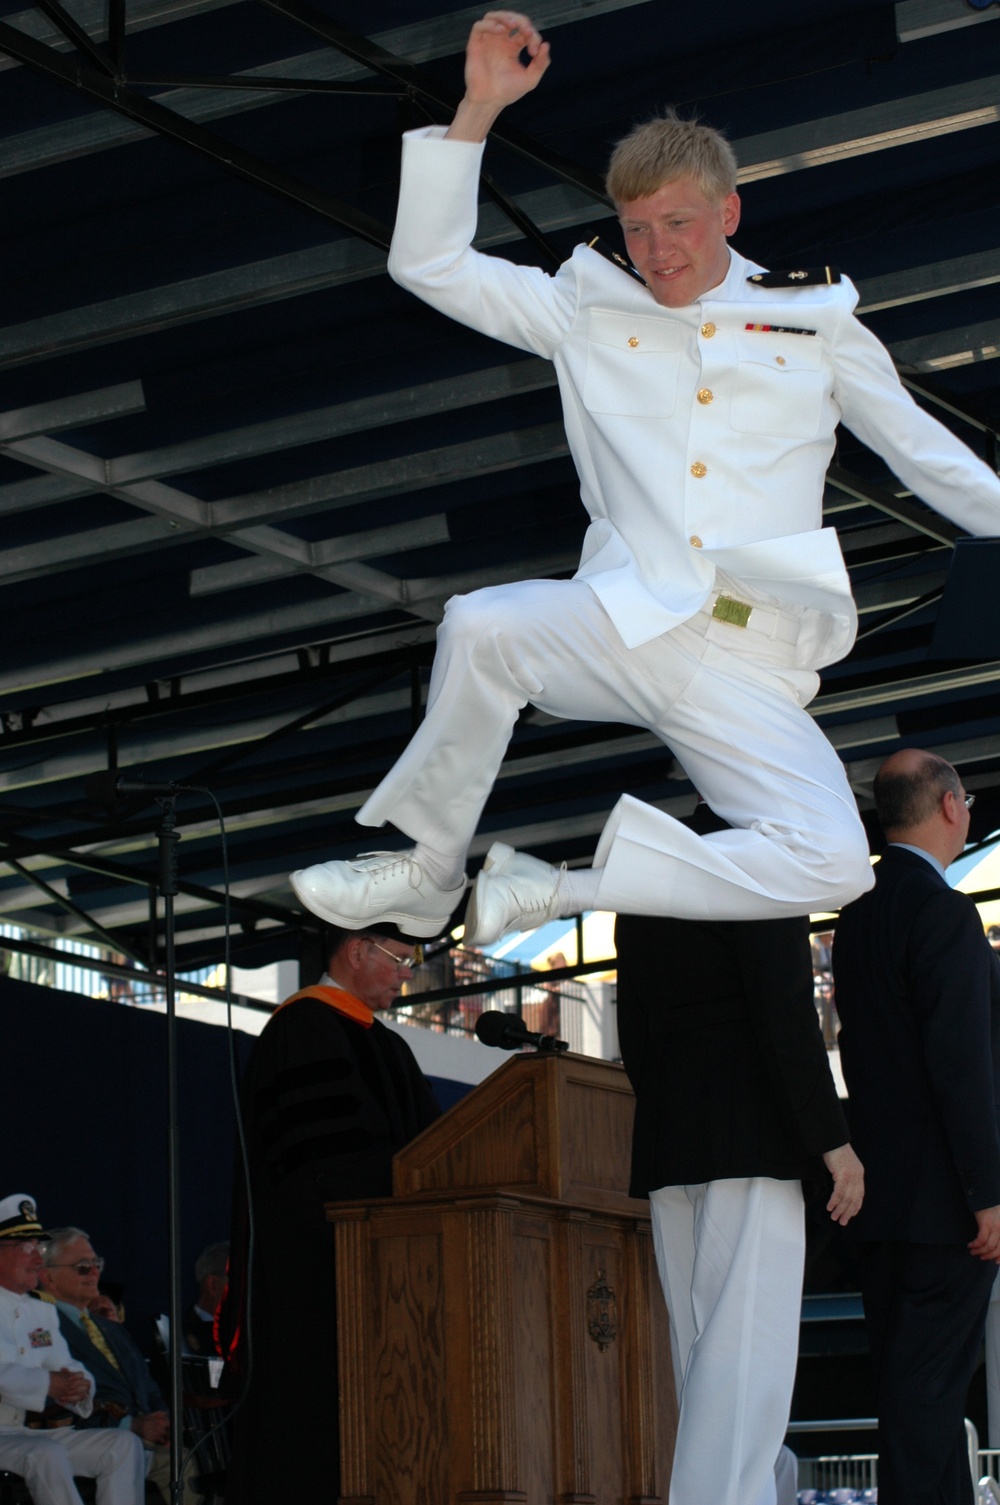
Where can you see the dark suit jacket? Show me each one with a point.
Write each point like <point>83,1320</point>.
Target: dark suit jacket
<point>918,994</point>
<point>131,1386</point>
<point>722,1045</point>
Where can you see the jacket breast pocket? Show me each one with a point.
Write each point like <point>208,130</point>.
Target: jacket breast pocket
<point>780,385</point>
<point>631,365</point>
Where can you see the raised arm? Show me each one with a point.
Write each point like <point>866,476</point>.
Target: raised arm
<point>495,76</point>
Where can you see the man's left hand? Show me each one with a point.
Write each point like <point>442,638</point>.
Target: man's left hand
<point>153,1428</point>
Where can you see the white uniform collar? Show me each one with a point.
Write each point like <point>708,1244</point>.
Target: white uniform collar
<point>733,287</point>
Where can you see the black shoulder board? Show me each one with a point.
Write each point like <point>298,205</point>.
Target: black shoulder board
<point>598,245</point>
<point>800,277</point>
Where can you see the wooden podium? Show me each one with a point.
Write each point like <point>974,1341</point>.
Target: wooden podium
<point>502,1334</point>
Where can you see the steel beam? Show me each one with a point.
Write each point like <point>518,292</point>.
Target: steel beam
<point>310,621</point>
<point>949,348</point>
<point>135,314</point>
<point>55,897</point>
<point>958,274</point>
<point>39,491</point>
<point>379,59</point>
<point>421,533</point>
<point>71,412</point>
<point>419,42</point>
<point>912,513</point>
<point>91,14</point>
<point>178,515</point>
<point>835,702</point>
<point>918,19</point>
<point>153,116</point>
<point>300,273</point>
<point>76,36</point>
<point>319,425</point>
<point>270,674</point>
<point>366,483</point>
<point>875,128</point>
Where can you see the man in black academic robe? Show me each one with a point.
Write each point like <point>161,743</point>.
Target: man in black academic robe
<point>329,1096</point>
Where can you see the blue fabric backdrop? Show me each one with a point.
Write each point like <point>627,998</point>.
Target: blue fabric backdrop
<point>84,1113</point>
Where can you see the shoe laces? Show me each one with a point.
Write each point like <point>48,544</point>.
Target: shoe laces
<point>537,904</point>
<point>382,867</point>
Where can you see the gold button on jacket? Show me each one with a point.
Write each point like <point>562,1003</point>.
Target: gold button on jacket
<point>706,395</point>
<point>694,541</point>
<point>708,330</point>
<point>698,470</point>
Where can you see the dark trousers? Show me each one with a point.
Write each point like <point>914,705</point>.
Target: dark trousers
<point>925,1309</point>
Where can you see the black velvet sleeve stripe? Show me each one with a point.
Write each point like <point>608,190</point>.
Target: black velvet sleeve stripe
<point>300,1077</point>
<point>307,1113</point>
<point>321,1148</point>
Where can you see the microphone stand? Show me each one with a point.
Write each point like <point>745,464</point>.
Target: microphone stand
<point>169,836</point>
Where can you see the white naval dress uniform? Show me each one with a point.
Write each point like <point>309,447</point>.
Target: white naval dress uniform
<point>31,1348</point>
<point>701,440</point>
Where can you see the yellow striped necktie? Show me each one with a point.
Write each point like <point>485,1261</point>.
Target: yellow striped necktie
<point>98,1339</point>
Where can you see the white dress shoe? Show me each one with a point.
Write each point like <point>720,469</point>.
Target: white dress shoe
<point>376,888</point>
<point>512,892</point>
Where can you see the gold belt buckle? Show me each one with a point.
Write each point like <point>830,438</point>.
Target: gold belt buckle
<point>728,609</point>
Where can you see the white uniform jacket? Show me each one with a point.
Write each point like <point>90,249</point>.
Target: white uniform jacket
<point>701,439</point>
<point>31,1347</point>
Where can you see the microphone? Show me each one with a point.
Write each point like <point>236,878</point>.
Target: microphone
<point>509,1032</point>
<point>105,788</point>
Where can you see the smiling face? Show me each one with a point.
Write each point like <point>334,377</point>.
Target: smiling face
<point>65,1281</point>
<point>677,240</point>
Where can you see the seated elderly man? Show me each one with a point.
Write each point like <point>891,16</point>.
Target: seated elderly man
<point>36,1368</point>
<point>199,1319</point>
<point>126,1397</point>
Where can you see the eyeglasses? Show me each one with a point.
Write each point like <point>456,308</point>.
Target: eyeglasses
<point>400,962</point>
<point>81,1266</point>
<point>968,800</point>
<point>26,1245</point>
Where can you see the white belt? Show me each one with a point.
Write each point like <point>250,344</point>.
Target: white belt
<point>779,626</point>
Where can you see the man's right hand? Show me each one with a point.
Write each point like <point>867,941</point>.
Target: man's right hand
<point>494,73</point>
<point>986,1244</point>
<point>68,1386</point>
<point>153,1428</point>
<point>848,1183</point>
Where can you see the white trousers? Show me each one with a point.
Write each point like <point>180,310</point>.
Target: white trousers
<point>47,1461</point>
<point>726,700</point>
<point>992,1341</point>
<point>730,1256</point>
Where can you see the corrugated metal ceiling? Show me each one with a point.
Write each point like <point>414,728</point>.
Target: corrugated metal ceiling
<point>241,472</point>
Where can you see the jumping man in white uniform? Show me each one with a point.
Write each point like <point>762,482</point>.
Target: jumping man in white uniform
<point>700,411</point>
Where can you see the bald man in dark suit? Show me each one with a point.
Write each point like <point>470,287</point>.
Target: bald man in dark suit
<point>918,993</point>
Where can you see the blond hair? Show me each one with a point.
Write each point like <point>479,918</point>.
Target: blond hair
<point>667,148</point>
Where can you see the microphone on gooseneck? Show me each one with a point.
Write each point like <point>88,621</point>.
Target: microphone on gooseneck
<point>509,1032</point>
